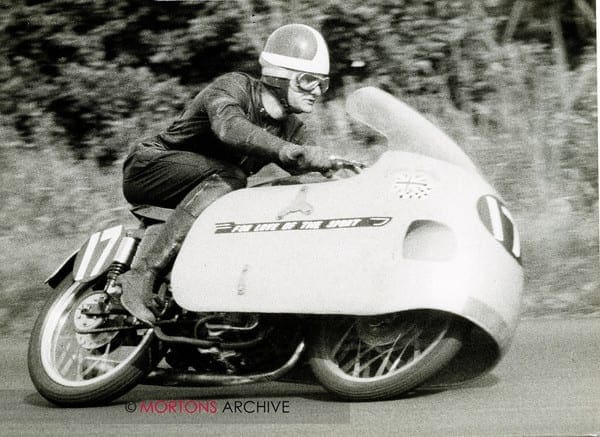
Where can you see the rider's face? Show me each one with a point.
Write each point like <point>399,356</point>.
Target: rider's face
<point>300,100</point>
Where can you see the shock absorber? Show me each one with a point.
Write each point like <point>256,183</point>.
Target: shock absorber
<point>121,263</point>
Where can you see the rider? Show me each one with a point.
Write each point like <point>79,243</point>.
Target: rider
<point>232,128</point>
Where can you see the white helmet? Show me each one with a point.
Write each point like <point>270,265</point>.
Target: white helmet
<point>294,48</point>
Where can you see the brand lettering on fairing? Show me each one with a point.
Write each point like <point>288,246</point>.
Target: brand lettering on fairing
<point>302,225</point>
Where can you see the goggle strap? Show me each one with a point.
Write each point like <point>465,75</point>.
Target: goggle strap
<point>277,72</point>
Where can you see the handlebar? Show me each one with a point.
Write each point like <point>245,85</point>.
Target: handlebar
<point>340,163</point>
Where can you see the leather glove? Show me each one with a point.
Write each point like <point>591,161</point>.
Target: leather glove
<point>315,158</point>
<point>305,157</point>
<point>289,154</point>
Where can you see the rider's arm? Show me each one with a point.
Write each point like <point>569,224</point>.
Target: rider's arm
<point>298,133</point>
<point>224,101</point>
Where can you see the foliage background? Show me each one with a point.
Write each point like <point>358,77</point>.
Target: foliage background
<point>80,80</point>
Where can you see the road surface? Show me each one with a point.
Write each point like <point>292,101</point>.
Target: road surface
<point>548,384</point>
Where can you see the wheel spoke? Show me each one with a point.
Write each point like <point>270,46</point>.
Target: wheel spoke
<point>79,375</point>
<point>65,352</point>
<point>386,361</point>
<point>67,365</point>
<point>386,354</point>
<point>366,370</point>
<point>70,359</point>
<point>97,360</point>
<point>355,363</point>
<point>378,356</point>
<point>102,360</point>
<point>403,351</point>
<point>345,352</point>
<point>385,365</point>
<point>356,369</point>
<point>341,340</point>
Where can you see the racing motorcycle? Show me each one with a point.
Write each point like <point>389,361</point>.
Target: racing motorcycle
<point>405,272</point>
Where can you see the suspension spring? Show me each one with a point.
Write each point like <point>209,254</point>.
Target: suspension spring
<point>115,269</point>
<point>120,264</point>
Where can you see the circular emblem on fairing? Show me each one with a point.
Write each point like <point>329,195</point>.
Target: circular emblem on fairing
<point>411,185</point>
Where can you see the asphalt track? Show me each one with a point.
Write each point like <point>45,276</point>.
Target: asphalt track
<point>548,384</point>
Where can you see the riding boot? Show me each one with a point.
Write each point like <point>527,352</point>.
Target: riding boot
<point>140,284</point>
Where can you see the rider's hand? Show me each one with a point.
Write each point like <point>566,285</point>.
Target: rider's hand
<point>289,154</point>
<point>305,158</point>
<point>315,158</point>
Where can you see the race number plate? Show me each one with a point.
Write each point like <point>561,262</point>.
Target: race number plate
<point>498,220</point>
<point>97,253</point>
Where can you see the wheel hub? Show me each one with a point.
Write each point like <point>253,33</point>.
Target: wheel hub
<point>381,330</point>
<point>83,321</point>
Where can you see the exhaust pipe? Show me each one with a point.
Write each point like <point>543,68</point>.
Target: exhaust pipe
<point>174,378</point>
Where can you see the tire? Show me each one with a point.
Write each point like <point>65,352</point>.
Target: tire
<point>78,370</point>
<point>376,358</point>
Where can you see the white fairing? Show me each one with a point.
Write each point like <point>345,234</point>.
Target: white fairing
<point>356,262</point>
<point>420,229</point>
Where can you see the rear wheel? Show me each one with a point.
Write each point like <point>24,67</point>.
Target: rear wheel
<point>373,358</point>
<point>73,369</point>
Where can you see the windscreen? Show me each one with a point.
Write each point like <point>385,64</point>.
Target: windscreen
<point>405,129</point>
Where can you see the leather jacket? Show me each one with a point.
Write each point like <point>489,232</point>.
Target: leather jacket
<point>227,120</point>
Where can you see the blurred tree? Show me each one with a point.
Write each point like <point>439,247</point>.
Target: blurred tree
<point>568,24</point>
<point>91,64</point>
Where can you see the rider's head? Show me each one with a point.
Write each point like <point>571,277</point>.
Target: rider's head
<point>295,66</point>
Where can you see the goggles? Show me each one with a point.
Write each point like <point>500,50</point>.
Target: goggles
<point>309,82</point>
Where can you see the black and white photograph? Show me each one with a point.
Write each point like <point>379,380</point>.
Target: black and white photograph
<point>273,217</point>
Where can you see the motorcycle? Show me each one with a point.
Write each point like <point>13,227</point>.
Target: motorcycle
<point>403,273</point>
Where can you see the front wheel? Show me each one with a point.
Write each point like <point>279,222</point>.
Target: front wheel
<point>73,369</point>
<point>374,358</point>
